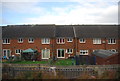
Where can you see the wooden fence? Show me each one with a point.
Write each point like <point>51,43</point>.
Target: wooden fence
<point>66,71</point>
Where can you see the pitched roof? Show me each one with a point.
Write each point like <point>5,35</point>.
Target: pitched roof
<point>96,31</point>
<point>103,53</point>
<point>64,31</point>
<point>79,31</point>
<point>29,31</point>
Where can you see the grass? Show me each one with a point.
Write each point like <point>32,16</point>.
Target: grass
<point>58,62</point>
<point>64,62</point>
<point>27,62</point>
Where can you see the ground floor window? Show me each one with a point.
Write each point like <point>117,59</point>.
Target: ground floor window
<point>83,52</point>
<point>45,53</point>
<point>6,53</point>
<point>60,53</point>
<point>69,51</point>
<point>18,51</point>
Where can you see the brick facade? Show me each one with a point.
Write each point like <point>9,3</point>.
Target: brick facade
<point>61,32</point>
<point>53,46</point>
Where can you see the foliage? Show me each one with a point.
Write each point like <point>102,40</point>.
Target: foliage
<point>17,58</point>
<point>118,73</point>
<point>29,56</point>
<point>65,62</point>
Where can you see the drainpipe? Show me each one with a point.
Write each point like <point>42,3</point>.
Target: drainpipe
<point>75,42</point>
<point>105,43</point>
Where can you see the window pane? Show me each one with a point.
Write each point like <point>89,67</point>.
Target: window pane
<point>62,53</point>
<point>58,53</point>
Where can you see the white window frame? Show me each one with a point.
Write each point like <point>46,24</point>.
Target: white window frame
<point>6,52</point>
<point>20,40</point>
<point>45,40</point>
<point>112,50</point>
<point>70,40</point>
<point>82,40</point>
<point>29,40</point>
<point>58,42</point>
<point>110,41</point>
<point>18,51</point>
<point>87,52</point>
<point>97,41</point>
<point>6,41</point>
<point>69,51</point>
<point>45,50</point>
<point>60,54</point>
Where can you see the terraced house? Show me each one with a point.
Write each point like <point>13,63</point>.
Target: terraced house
<point>60,41</point>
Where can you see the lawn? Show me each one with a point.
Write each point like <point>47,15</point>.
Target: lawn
<point>58,62</point>
<point>64,62</point>
<point>26,62</point>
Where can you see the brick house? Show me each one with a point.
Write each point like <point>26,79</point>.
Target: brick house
<point>61,41</point>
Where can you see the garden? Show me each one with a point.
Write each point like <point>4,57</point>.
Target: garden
<point>65,62</point>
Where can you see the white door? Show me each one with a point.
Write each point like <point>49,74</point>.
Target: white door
<point>45,53</point>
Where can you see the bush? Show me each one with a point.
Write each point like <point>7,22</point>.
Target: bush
<point>17,58</point>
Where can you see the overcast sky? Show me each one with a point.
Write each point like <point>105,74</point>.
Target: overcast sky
<point>59,12</point>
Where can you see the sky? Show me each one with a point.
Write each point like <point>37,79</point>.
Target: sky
<point>61,12</point>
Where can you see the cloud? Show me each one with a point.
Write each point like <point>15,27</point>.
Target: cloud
<point>85,14</point>
<point>110,15</point>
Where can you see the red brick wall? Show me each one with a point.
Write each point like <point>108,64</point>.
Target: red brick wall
<point>88,45</point>
<point>25,45</point>
<point>67,45</point>
<point>53,46</point>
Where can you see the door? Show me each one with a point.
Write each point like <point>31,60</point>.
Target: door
<point>60,53</point>
<point>6,53</point>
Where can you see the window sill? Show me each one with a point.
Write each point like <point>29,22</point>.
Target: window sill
<point>82,42</point>
<point>60,57</point>
<point>97,44</point>
<point>6,43</point>
<point>111,43</point>
<point>17,53</point>
<point>45,58</point>
<point>45,43</point>
<point>69,41</point>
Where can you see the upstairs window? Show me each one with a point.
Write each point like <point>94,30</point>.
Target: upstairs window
<point>97,41</point>
<point>6,41</point>
<point>111,41</point>
<point>69,51</point>
<point>60,40</point>
<point>31,40</point>
<point>18,51</point>
<point>69,40</point>
<point>20,40</point>
<point>83,52</point>
<point>45,41</point>
<point>82,40</point>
